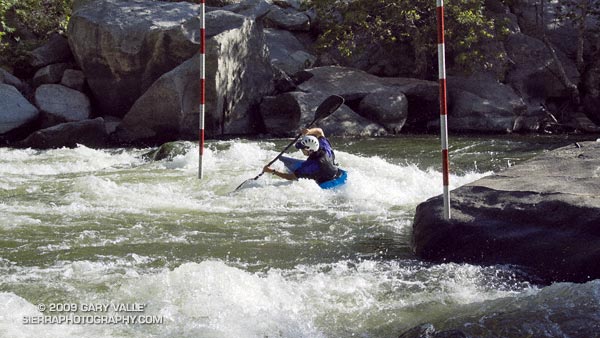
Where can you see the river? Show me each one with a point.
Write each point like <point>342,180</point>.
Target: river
<point>102,243</point>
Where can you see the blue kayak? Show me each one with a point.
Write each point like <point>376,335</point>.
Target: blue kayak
<point>294,163</point>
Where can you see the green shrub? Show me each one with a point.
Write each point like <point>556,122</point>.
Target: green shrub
<point>408,27</point>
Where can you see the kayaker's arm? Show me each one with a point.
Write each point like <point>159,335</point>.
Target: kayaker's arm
<point>287,176</point>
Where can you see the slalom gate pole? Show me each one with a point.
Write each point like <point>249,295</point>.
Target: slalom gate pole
<point>202,84</point>
<point>443,107</point>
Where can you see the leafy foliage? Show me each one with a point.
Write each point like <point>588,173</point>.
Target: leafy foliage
<point>31,20</point>
<point>355,25</point>
<point>577,10</point>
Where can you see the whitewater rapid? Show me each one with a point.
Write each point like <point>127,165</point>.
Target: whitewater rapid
<point>275,259</point>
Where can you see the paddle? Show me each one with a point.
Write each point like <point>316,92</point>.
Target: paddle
<point>326,108</point>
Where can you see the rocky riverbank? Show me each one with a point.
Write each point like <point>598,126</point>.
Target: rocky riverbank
<point>542,214</point>
<point>135,63</point>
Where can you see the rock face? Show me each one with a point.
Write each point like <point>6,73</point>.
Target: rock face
<point>124,46</point>
<point>15,110</point>
<point>542,214</point>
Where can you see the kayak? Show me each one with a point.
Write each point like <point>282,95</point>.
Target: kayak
<point>292,164</point>
<point>339,180</point>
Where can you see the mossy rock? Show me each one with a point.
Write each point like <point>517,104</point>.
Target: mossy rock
<point>168,151</point>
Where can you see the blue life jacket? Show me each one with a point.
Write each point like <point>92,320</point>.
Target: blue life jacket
<point>320,165</point>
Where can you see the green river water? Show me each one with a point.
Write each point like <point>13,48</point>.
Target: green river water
<point>86,234</point>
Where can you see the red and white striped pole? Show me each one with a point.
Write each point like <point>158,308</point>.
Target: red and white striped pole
<point>202,84</point>
<point>443,106</point>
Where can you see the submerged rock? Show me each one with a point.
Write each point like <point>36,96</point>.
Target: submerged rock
<point>542,214</point>
<point>168,151</point>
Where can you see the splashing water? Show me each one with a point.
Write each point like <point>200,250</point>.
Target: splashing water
<point>275,259</point>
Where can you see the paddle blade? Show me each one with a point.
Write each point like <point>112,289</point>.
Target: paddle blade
<point>327,107</point>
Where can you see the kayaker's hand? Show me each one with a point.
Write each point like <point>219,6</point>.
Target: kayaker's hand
<point>304,131</point>
<point>267,170</point>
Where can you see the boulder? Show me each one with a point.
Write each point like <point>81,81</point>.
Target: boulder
<point>61,103</point>
<point>281,114</point>
<point>296,4</point>
<point>50,74</point>
<point>9,79</point>
<point>56,50</point>
<point>254,9</point>
<point>91,133</point>
<point>287,52</point>
<point>479,103</point>
<point>122,47</point>
<point>168,110</point>
<point>346,122</point>
<point>168,151</point>
<point>354,85</point>
<point>423,101</point>
<point>534,73</point>
<point>238,75</point>
<point>285,114</point>
<point>15,110</point>
<point>74,79</point>
<point>388,107</point>
<point>287,18</point>
<point>542,214</point>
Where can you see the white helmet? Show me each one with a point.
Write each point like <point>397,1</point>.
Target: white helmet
<point>309,142</point>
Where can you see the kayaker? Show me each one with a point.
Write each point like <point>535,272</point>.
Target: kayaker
<point>320,164</point>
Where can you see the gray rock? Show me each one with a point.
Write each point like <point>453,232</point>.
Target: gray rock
<point>124,46</point>
<point>254,9</point>
<point>168,110</point>
<point>296,4</point>
<point>168,151</point>
<point>423,101</point>
<point>533,75</point>
<point>111,123</point>
<point>480,103</point>
<point>9,79</point>
<point>15,110</point>
<point>287,52</point>
<point>62,103</point>
<point>542,214</point>
<point>281,114</point>
<point>74,79</point>
<point>346,122</point>
<point>56,50</point>
<point>354,85</point>
<point>285,114</point>
<point>91,133</point>
<point>50,74</point>
<point>289,19</point>
<point>388,107</point>
<point>238,75</point>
